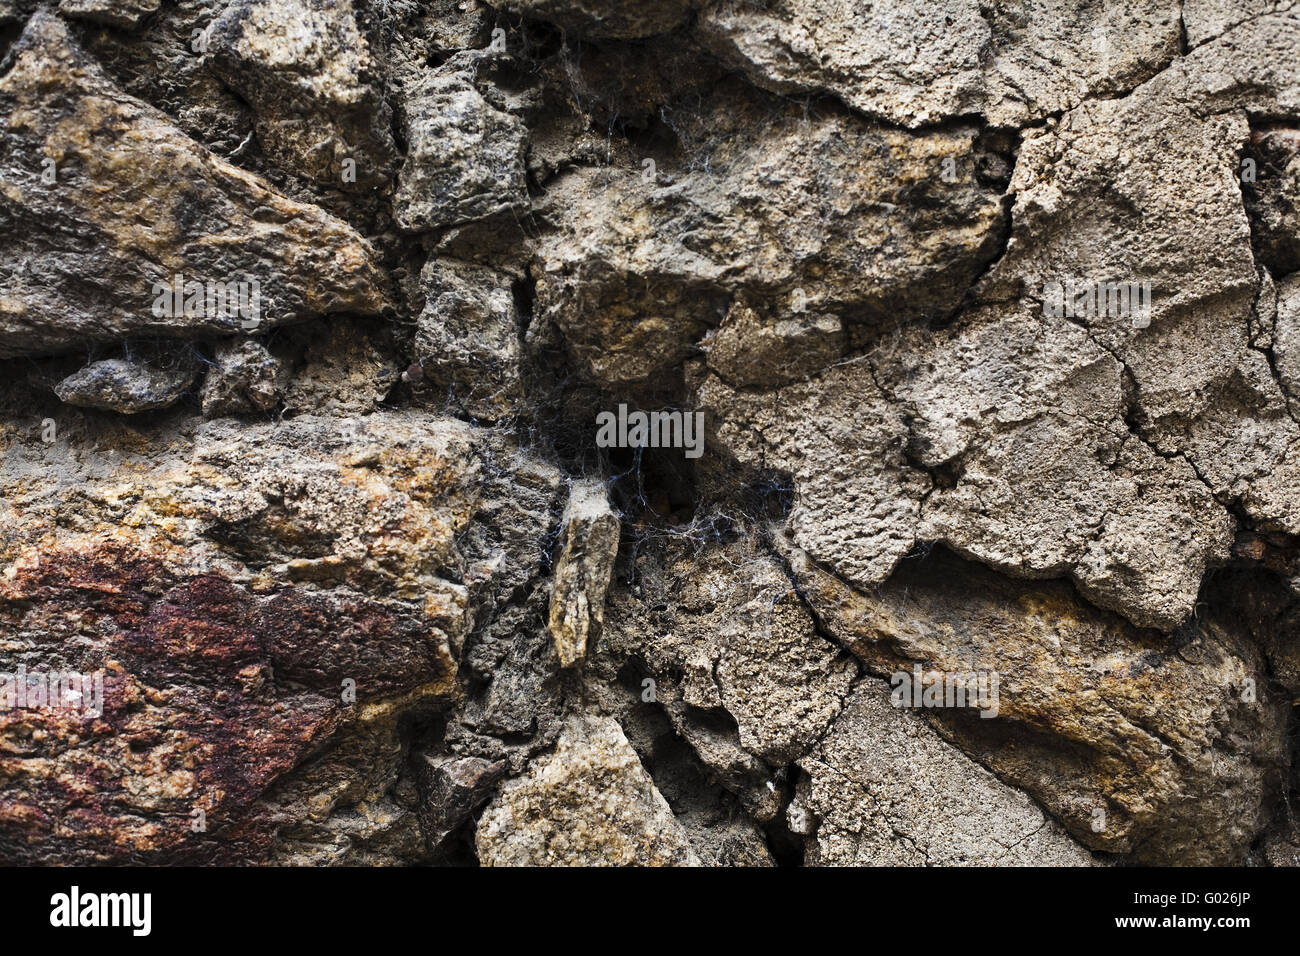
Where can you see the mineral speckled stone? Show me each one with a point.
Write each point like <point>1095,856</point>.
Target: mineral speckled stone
<point>982,547</point>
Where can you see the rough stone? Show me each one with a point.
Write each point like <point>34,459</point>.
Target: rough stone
<point>590,803</point>
<point>1173,745</point>
<point>733,658</point>
<point>137,204</point>
<point>307,71</point>
<point>125,385</point>
<point>451,789</point>
<point>290,596</point>
<point>467,342</point>
<point>465,157</point>
<point>1272,195</point>
<point>883,789</point>
<point>389,598</point>
<point>124,14</point>
<point>244,377</point>
<point>644,259</point>
<point>589,531</point>
<point>920,64</point>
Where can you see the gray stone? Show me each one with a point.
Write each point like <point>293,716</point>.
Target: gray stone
<point>465,157</point>
<point>124,14</point>
<point>1170,749</point>
<point>125,385</point>
<point>883,789</point>
<point>467,342</point>
<point>919,64</point>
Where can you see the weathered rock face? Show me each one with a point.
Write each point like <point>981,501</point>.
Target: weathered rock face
<point>465,158</point>
<point>307,71</point>
<point>759,197</point>
<point>882,788</point>
<point>731,654</point>
<point>116,13</point>
<point>589,803</point>
<point>244,377</point>
<point>247,607</point>
<point>121,385</point>
<point>138,204</point>
<point>313,549</point>
<point>921,63</point>
<point>467,344</point>
<point>1148,729</point>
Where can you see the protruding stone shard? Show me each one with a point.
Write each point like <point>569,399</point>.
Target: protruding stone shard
<point>139,230</point>
<point>464,159</point>
<point>126,385</point>
<point>590,803</point>
<point>306,69</point>
<point>582,571</point>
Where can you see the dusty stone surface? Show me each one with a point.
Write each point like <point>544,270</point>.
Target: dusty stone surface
<point>990,317</point>
<point>882,788</point>
<point>114,13</point>
<point>645,255</point>
<point>244,377</point>
<point>467,344</point>
<point>732,655</point>
<point>1156,728</point>
<point>590,802</point>
<point>307,71</point>
<point>917,63</point>
<point>465,158</point>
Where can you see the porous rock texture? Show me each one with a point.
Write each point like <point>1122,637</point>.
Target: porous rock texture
<point>363,584</point>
